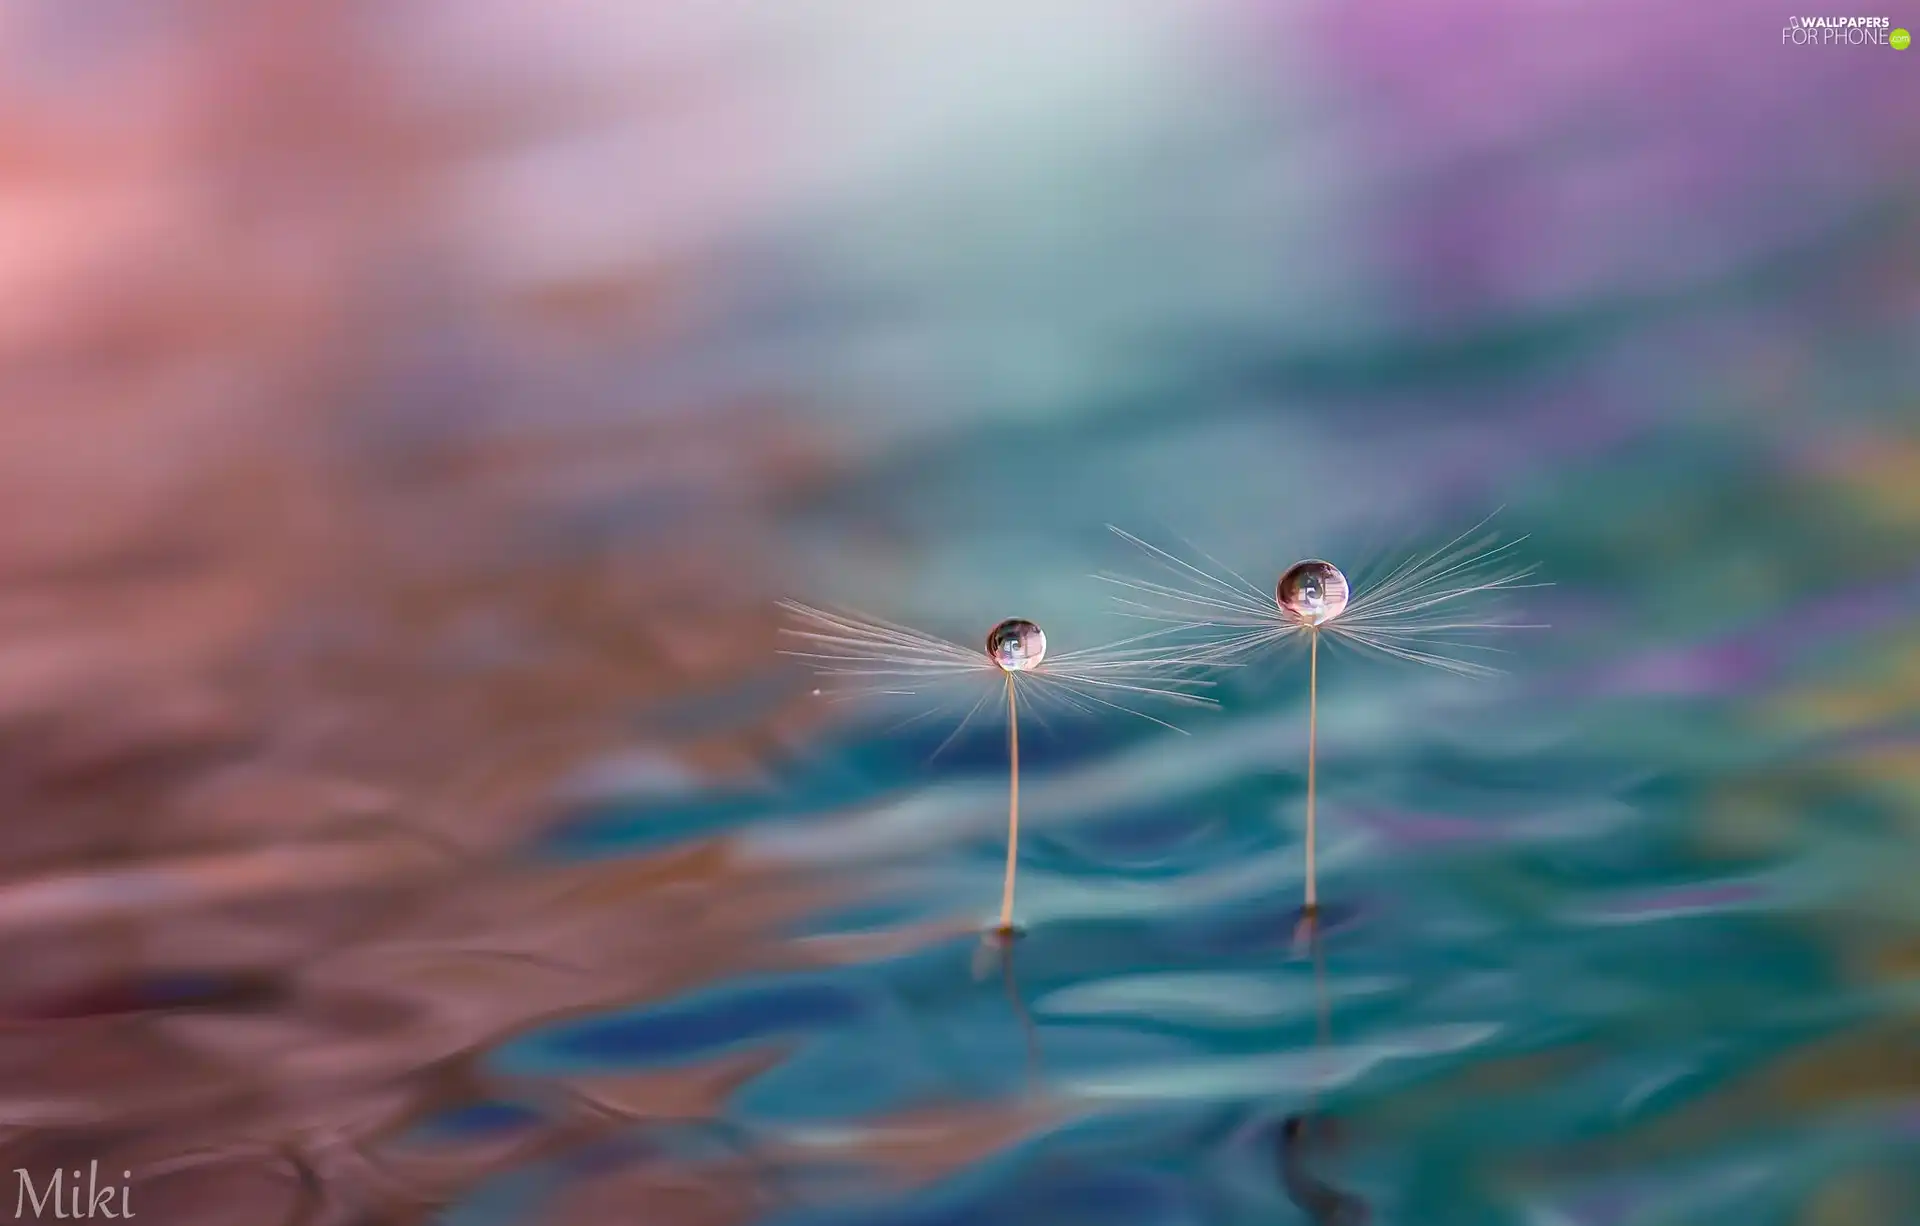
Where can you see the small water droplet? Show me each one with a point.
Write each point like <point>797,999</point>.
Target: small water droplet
<point>1312,592</point>
<point>1016,645</point>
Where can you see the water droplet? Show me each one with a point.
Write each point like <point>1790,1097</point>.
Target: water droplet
<point>1016,645</point>
<point>1313,592</point>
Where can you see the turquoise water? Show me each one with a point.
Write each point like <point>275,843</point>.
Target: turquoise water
<point>422,410</point>
<point>1623,936</point>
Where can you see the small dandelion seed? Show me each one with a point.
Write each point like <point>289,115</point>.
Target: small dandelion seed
<point>883,659</point>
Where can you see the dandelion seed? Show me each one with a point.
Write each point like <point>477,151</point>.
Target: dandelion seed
<point>880,658</point>
<point>1431,609</point>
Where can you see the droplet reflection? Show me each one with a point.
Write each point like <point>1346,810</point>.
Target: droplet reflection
<point>1313,592</point>
<point>1017,645</point>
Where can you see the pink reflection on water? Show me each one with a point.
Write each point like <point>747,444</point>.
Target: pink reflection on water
<point>1681,901</point>
<point>1426,830</point>
<point>1543,154</point>
<point>1750,658</point>
<point>1690,672</point>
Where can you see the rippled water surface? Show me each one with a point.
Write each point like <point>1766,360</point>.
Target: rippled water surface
<point>1624,936</point>
<point>411,817</point>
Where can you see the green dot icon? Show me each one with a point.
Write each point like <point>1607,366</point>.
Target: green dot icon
<point>1899,39</point>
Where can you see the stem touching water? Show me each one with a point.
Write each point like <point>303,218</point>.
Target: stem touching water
<point>1313,734</point>
<point>1013,807</point>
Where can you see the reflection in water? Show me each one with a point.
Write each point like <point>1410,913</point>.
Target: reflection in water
<point>1304,1140</point>
<point>998,948</point>
<point>1307,1140</point>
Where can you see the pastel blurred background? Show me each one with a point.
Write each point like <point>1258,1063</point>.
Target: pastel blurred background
<point>410,414</point>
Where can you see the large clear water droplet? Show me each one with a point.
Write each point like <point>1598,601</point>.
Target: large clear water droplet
<point>1313,592</point>
<point>1017,645</point>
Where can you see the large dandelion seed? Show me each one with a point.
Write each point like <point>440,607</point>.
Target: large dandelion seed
<point>1434,609</point>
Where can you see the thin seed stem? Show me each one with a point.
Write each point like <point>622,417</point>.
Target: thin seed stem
<point>1013,807</point>
<point>1313,737</point>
